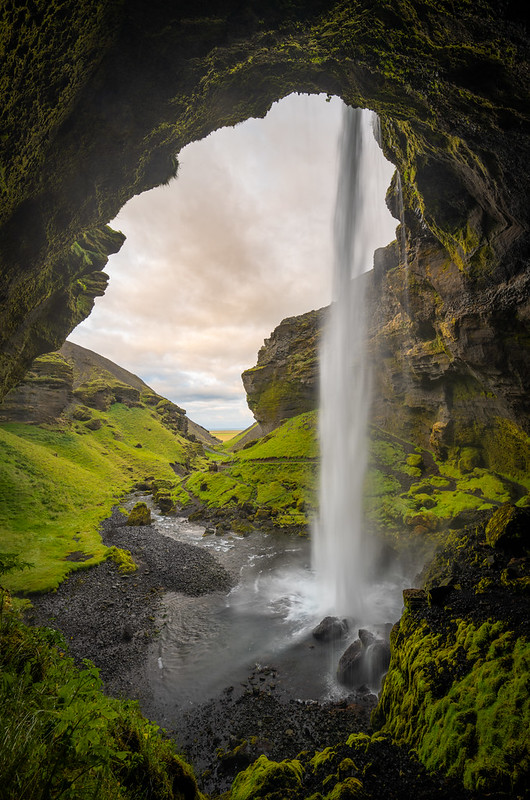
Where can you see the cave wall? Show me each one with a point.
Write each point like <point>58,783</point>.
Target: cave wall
<point>101,96</point>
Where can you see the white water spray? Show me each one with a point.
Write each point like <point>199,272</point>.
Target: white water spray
<point>343,556</point>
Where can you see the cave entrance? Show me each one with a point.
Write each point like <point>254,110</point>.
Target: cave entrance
<point>216,259</point>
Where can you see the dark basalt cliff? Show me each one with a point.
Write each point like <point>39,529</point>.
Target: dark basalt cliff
<point>284,383</point>
<point>98,99</point>
<point>100,96</point>
<point>450,374</point>
<point>451,365</point>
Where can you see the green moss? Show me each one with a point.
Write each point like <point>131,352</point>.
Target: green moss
<point>229,444</point>
<point>123,559</point>
<point>140,515</point>
<point>217,489</point>
<point>459,699</point>
<point>275,476</point>
<point>507,449</point>
<point>268,780</point>
<point>61,736</point>
<point>347,790</point>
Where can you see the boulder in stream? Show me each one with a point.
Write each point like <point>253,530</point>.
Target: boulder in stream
<point>330,628</point>
<point>140,515</point>
<point>365,661</point>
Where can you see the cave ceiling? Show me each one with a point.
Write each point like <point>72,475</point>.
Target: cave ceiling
<point>100,97</point>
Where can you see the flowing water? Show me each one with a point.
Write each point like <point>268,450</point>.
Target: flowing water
<point>208,643</point>
<point>344,557</point>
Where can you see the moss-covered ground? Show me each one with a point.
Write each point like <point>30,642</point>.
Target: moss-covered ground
<point>457,690</point>
<point>270,481</point>
<point>57,483</point>
<point>410,495</point>
<point>60,736</point>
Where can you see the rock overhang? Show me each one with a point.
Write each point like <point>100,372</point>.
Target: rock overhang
<point>132,84</point>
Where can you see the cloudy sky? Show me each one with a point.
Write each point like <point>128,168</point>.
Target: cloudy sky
<point>214,261</point>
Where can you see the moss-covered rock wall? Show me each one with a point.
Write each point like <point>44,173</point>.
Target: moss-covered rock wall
<point>457,687</point>
<point>100,97</point>
<point>284,382</point>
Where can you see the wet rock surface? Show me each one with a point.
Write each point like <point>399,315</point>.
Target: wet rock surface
<point>330,628</point>
<point>365,661</point>
<point>110,618</point>
<point>227,734</point>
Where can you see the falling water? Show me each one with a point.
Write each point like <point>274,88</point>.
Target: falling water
<point>342,555</point>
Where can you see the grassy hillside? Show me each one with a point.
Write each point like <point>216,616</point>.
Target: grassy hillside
<point>273,480</point>
<point>60,479</point>
<point>60,736</point>
<point>409,494</point>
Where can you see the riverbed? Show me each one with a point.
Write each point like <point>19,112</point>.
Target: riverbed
<point>209,643</point>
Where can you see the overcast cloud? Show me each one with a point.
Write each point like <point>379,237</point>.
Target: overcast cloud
<point>214,261</point>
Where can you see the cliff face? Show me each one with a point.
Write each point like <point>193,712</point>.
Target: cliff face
<point>72,383</point>
<point>452,363</point>
<point>284,383</point>
<point>100,97</point>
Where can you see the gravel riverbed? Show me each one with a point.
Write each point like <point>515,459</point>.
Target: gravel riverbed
<point>110,618</point>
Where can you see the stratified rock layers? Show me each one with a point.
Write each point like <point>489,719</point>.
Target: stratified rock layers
<point>284,383</point>
<point>449,375</point>
<point>74,381</point>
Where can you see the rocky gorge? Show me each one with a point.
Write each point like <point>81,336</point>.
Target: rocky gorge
<point>99,99</point>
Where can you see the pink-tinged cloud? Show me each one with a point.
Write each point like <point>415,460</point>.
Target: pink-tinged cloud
<point>214,261</point>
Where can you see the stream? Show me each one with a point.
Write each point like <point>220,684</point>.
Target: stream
<point>215,641</point>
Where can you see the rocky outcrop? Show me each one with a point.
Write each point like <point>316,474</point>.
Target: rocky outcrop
<point>455,690</point>
<point>451,364</point>
<point>73,382</point>
<point>284,383</point>
<point>43,395</point>
<point>451,367</point>
<point>451,354</point>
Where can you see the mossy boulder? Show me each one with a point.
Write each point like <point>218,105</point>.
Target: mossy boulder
<point>140,515</point>
<point>470,458</point>
<point>268,780</point>
<point>123,560</point>
<point>509,529</point>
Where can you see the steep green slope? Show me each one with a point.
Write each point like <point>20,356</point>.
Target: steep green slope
<point>410,495</point>
<point>60,736</point>
<point>271,481</point>
<point>59,479</point>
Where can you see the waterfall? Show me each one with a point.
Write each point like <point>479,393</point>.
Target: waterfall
<point>342,556</point>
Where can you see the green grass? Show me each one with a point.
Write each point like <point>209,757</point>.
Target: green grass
<point>403,498</point>
<point>60,736</point>
<point>57,485</point>
<point>230,444</point>
<point>296,438</point>
<point>284,486</point>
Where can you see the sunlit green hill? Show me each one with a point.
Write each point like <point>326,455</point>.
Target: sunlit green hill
<point>86,433</point>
